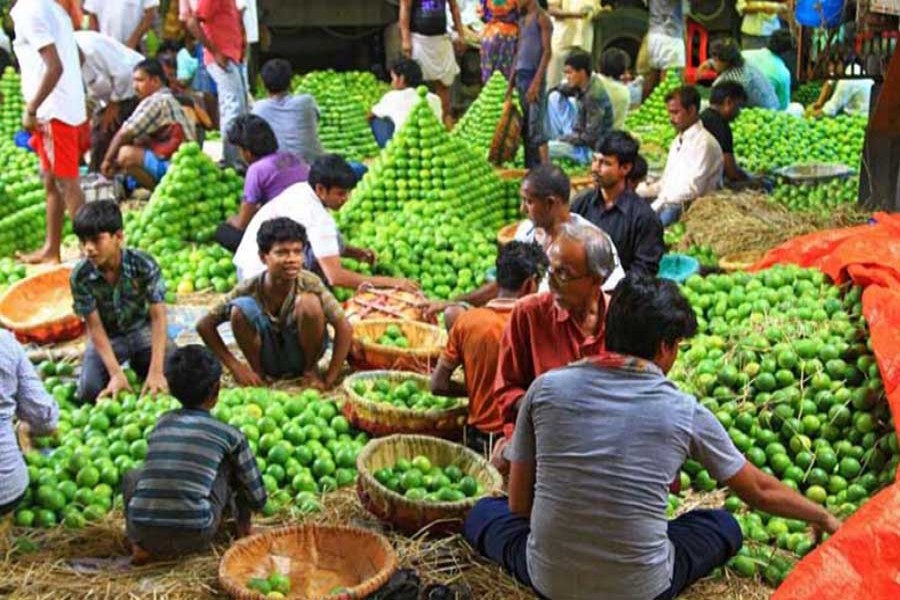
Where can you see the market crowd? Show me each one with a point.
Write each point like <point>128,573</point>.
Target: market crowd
<point>565,352</point>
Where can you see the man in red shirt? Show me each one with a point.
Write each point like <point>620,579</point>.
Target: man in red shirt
<point>475,343</point>
<point>552,329</point>
<point>217,24</point>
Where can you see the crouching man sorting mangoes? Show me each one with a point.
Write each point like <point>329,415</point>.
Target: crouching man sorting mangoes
<point>595,447</point>
<point>279,317</point>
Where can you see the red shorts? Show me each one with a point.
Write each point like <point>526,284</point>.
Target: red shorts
<point>59,145</point>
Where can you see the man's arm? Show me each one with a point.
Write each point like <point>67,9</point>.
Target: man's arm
<point>458,25</point>
<point>207,327</point>
<point>522,455</point>
<point>521,487</point>
<point>764,492</point>
<point>598,120</point>
<point>122,137</point>
<point>403,23</point>
<point>338,276</point>
<point>245,213</point>
<point>118,382</point>
<point>193,25</point>
<point>649,247</point>
<point>442,383</point>
<point>34,405</point>
<point>343,338</point>
<point>733,172</point>
<point>52,73</point>
<point>546,27</point>
<point>156,380</point>
<point>515,369</point>
<point>143,27</point>
<point>477,297</point>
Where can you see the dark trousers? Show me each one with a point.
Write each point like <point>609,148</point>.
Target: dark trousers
<point>703,540</point>
<point>100,138</point>
<point>228,236</point>
<point>134,347</point>
<point>176,541</point>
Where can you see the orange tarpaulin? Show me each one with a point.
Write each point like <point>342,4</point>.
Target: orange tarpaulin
<point>861,561</point>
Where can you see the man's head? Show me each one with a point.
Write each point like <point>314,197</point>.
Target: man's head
<point>276,76</point>
<point>98,226</point>
<point>282,242</point>
<point>683,106</point>
<point>638,172</point>
<point>193,373</point>
<point>405,73</point>
<point>333,179</point>
<point>577,69</point>
<point>614,159</point>
<point>726,54</point>
<point>728,98</point>
<point>545,195</point>
<point>614,63</point>
<point>520,268</point>
<point>147,77</point>
<point>781,42</point>
<point>647,318</point>
<point>253,137</point>
<point>581,259</point>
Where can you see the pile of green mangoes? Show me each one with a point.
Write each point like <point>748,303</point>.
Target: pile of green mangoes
<point>820,197</point>
<point>782,359</point>
<point>409,394</point>
<point>419,480</point>
<point>429,207</point>
<point>194,196</point>
<point>197,268</point>
<point>477,126</point>
<point>807,93</point>
<point>650,122</point>
<point>10,271</point>
<point>12,104</point>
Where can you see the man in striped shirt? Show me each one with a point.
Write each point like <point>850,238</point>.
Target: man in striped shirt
<point>196,468</point>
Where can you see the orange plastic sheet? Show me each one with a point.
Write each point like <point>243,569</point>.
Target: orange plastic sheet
<point>861,561</point>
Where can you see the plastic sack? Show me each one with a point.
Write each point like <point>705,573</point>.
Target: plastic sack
<point>819,13</point>
<point>862,560</point>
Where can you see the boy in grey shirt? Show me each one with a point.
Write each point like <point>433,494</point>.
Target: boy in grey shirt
<point>294,119</point>
<point>595,447</point>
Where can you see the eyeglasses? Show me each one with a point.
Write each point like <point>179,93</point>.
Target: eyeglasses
<point>563,278</point>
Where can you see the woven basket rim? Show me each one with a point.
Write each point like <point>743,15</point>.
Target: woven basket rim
<point>393,350</point>
<point>355,398</point>
<point>238,588</point>
<point>373,445</point>
<point>28,281</point>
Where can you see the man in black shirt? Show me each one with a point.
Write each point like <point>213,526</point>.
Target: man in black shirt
<point>613,206</point>
<point>725,102</point>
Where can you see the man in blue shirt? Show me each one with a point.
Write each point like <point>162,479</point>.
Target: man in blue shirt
<point>595,447</point>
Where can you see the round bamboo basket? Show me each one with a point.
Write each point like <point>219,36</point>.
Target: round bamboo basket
<point>507,233</point>
<point>381,418</point>
<point>411,516</point>
<point>39,308</point>
<point>507,174</point>
<point>425,345</point>
<point>319,560</point>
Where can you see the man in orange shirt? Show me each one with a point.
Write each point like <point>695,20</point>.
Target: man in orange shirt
<point>475,342</point>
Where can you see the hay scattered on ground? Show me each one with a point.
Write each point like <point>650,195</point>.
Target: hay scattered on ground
<point>748,222</point>
<point>46,572</point>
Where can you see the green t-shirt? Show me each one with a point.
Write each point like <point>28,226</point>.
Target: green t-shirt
<point>775,71</point>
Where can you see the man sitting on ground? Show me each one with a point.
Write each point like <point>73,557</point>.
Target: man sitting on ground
<point>574,133</point>
<point>725,102</point>
<point>771,64</point>
<point>694,165</point>
<point>474,342</point>
<point>391,112</point>
<point>596,445</point>
<point>730,65</point>
<point>279,316</point>
<point>612,206</point>
<point>271,171</point>
<point>154,131</point>
<point>197,467</point>
<point>552,329</point>
<point>293,118</point>
<point>120,294</point>
<point>308,203</point>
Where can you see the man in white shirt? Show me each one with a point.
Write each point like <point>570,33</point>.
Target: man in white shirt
<point>391,112</point>
<point>330,181</point>
<point>54,110</point>
<point>124,20</point>
<point>106,68</point>
<point>695,163</point>
<point>847,96</point>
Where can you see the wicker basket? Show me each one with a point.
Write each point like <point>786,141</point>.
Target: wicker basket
<point>317,559</point>
<point>411,516</point>
<point>740,261</point>
<point>39,308</point>
<point>380,418</point>
<point>507,174</point>
<point>374,303</point>
<point>507,233</point>
<point>508,133</point>
<point>425,345</point>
